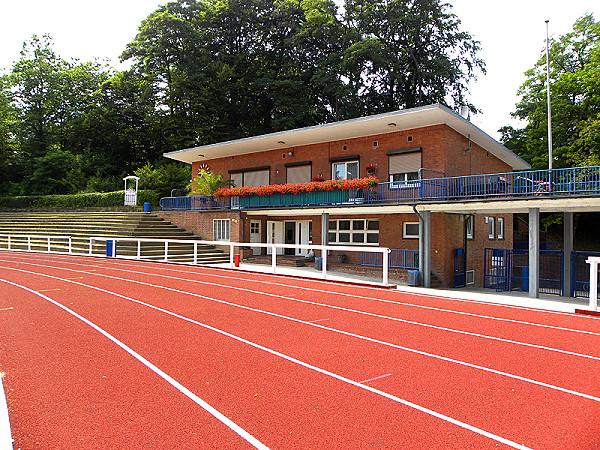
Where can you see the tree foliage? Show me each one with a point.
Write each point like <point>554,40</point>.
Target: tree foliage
<point>575,102</point>
<point>204,71</point>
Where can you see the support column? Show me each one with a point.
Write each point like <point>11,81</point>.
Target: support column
<point>425,247</point>
<point>325,229</point>
<point>567,251</point>
<point>534,252</point>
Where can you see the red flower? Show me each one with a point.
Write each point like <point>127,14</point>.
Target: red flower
<point>296,188</point>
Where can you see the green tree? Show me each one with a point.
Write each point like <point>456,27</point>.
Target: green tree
<point>164,177</point>
<point>575,102</point>
<point>408,53</point>
<point>206,183</point>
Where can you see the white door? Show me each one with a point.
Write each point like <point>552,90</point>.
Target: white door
<point>255,235</point>
<point>274,235</point>
<point>302,236</point>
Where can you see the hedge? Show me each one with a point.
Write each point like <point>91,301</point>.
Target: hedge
<point>96,199</point>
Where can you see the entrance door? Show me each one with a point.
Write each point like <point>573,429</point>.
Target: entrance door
<point>274,235</point>
<point>255,235</point>
<point>302,236</point>
<point>290,237</point>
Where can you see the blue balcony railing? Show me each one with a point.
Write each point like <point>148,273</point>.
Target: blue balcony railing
<point>541,183</point>
<point>399,258</point>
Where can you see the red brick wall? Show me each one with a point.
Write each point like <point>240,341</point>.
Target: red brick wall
<point>447,233</point>
<point>443,149</point>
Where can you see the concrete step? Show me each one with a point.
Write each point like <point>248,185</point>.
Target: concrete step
<point>83,225</point>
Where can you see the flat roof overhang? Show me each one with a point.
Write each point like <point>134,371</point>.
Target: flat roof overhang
<point>348,129</point>
<point>488,206</point>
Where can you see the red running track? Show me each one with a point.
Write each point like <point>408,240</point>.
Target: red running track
<point>100,353</point>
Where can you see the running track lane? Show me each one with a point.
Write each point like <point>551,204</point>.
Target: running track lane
<point>332,287</point>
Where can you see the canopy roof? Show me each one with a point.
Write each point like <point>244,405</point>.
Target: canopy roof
<point>406,119</point>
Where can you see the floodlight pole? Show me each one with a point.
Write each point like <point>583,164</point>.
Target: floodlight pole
<point>548,97</point>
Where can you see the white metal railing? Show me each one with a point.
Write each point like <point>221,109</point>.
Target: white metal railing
<point>593,261</point>
<point>19,239</point>
<point>111,247</point>
<point>233,245</point>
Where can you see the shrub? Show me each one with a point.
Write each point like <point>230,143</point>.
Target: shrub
<point>96,199</point>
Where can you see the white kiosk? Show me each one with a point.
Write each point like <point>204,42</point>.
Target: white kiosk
<point>131,192</point>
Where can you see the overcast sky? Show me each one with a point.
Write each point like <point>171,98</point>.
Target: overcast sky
<point>512,35</point>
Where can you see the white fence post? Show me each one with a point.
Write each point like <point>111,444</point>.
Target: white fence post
<point>386,265</point>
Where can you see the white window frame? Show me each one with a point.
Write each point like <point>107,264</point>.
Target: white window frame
<point>345,163</point>
<point>500,228</point>
<point>404,180</point>
<point>222,230</point>
<point>470,222</point>
<point>490,222</point>
<point>405,235</point>
<point>334,231</point>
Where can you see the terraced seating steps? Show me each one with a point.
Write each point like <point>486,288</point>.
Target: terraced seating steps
<point>83,225</point>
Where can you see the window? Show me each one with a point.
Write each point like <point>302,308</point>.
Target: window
<point>404,167</point>
<point>298,173</point>
<point>257,177</point>
<point>490,227</point>
<point>346,170</point>
<point>410,230</point>
<point>500,228</point>
<point>221,230</point>
<point>469,225</point>
<point>354,231</point>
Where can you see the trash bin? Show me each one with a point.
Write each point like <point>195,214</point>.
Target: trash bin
<point>413,278</point>
<point>110,244</point>
<point>147,207</point>
<point>318,263</point>
<point>236,260</point>
<point>341,257</point>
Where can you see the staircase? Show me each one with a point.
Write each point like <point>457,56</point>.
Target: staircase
<point>82,226</point>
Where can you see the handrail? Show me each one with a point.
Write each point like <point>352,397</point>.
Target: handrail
<point>47,238</point>
<point>273,246</point>
<point>556,182</point>
<point>593,261</point>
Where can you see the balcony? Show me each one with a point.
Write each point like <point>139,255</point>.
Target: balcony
<point>579,181</point>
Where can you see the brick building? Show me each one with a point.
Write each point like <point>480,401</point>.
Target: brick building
<point>401,148</point>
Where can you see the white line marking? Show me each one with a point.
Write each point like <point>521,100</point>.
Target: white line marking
<point>376,378</point>
<point>346,333</point>
<point>6,441</point>
<point>355,311</point>
<point>318,320</point>
<point>224,419</point>
<point>353,296</point>
<point>275,353</point>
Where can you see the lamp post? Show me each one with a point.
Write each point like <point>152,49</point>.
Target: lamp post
<point>548,98</point>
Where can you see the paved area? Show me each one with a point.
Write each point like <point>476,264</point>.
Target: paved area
<point>516,298</point>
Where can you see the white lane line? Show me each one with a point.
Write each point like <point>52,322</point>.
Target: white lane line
<point>219,275</point>
<point>169,268</point>
<point>334,330</point>
<point>6,441</point>
<point>376,378</point>
<point>318,320</point>
<point>353,296</point>
<point>224,419</point>
<point>355,311</point>
<point>270,351</point>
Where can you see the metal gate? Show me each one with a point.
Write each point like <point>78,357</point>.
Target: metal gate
<point>581,273</point>
<point>508,270</point>
<point>496,269</point>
